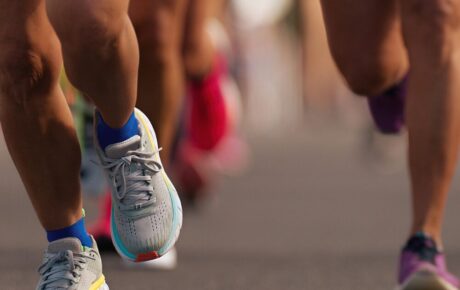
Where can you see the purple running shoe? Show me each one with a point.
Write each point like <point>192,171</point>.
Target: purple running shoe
<point>423,266</point>
<point>387,109</point>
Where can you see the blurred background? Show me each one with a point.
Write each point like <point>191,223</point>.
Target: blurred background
<point>317,200</point>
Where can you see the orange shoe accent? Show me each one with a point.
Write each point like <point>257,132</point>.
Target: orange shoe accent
<point>147,257</point>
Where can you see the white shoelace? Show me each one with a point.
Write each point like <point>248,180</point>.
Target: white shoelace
<point>62,270</point>
<point>134,189</point>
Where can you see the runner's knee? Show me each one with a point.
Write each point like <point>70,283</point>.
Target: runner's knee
<point>158,26</point>
<point>27,72</point>
<point>87,25</point>
<point>157,37</point>
<point>194,50</point>
<point>431,27</point>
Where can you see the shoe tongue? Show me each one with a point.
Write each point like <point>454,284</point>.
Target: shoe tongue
<point>118,150</point>
<point>66,244</point>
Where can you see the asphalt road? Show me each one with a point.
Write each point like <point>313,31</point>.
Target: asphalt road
<point>313,211</point>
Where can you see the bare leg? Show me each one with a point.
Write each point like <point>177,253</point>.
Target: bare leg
<point>159,26</point>
<point>318,68</point>
<point>36,120</point>
<point>100,53</point>
<point>198,48</point>
<point>366,43</point>
<point>431,33</point>
<point>102,59</point>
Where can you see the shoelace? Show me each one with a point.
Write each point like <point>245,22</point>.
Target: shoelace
<point>62,270</point>
<point>134,189</point>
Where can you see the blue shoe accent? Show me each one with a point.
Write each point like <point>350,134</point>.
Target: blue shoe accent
<point>108,135</point>
<point>77,230</point>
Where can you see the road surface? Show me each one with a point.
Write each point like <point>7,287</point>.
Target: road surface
<point>311,212</point>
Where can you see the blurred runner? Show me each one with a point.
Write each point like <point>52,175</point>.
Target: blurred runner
<point>208,116</point>
<point>374,43</point>
<point>100,50</point>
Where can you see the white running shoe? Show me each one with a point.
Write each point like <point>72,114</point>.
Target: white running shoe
<point>146,210</point>
<point>166,263</point>
<point>69,265</point>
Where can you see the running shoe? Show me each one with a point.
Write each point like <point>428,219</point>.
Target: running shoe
<point>206,123</point>
<point>208,117</point>
<point>423,266</point>
<point>210,145</point>
<point>69,265</point>
<point>387,109</point>
<point>146,213</point>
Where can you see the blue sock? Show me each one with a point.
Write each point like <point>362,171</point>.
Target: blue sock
<point>108,136</point>
<point>77,230</point>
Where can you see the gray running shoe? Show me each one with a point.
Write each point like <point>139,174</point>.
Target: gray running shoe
<point>146,211</point>
<point>68,265</point>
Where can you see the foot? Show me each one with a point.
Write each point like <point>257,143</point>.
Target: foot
<point>146,211</point>
<point>211,145</point>
<point>387,109</point>
<point>207,122</point>
<point>423,267</point>
<point>69,265</point>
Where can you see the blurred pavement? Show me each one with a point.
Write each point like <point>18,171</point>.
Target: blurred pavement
<point>311,213</point>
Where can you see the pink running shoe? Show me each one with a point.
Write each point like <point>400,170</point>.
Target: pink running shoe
<point>207,120</point>
<point>423,266</point>
<point>210,145</point>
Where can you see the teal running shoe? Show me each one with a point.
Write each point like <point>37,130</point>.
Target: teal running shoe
<point>146,216</point>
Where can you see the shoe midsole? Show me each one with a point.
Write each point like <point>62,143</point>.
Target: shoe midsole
<point>426,281</point>
<point>99,284</point>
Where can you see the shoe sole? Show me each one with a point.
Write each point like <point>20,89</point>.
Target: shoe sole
<point>166,263</point>
<point>175,202</point>
<point>104,287</point>
<point>100,284</point>
<point>425,280</point>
